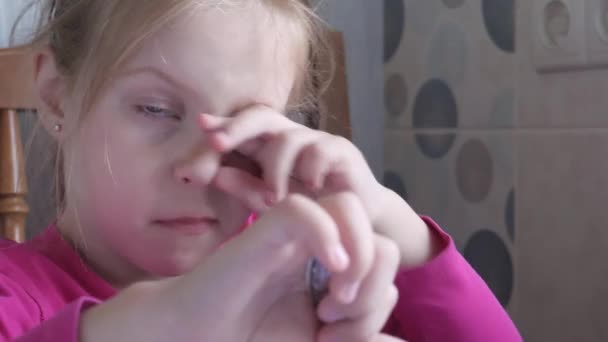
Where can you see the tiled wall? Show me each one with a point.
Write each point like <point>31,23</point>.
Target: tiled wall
<point>509,161</point>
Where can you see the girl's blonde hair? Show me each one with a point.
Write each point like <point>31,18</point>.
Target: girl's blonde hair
<point>91,40</point>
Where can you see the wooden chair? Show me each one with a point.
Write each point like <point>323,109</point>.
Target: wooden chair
<point>336,113</point>
<point>16,76</point>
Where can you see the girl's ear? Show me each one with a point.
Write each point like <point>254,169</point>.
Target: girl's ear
<point>51,89</point>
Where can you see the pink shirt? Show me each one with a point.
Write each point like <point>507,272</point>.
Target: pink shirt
<point>44,288</point>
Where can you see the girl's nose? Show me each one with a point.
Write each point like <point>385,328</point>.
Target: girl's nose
<point>199,168</point>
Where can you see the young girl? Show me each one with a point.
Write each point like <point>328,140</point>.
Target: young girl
<point>171,129</point>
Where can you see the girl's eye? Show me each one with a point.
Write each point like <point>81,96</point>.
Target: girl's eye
<point>157,112</point>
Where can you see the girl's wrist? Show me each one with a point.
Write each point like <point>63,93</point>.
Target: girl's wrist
<point>139,312</point>
<point>399,222</point>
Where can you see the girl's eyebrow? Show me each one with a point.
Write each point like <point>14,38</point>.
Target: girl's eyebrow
<point>158,73</point>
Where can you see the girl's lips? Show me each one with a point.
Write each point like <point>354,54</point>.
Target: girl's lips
<point>188,225</point>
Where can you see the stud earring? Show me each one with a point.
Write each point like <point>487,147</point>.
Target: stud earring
<point>58,128</point>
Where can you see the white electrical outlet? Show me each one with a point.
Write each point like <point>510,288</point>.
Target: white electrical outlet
<point>559,34</point>
<point>596,22</point>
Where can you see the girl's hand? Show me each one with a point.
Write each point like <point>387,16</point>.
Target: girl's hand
<point>239,291</point>
<point>291,157</point>
<point>295,158</point>
<point>367,315</point>
<point>345,317</point>
<point>293,318</point>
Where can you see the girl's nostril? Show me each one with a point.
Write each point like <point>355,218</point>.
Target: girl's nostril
<point>186,180</point>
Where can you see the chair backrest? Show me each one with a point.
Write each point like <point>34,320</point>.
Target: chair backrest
<point>336,118</point>
<point>16,76</point>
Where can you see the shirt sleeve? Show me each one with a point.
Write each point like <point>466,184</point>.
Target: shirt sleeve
<point>446,300</point>
<point>21,317</point>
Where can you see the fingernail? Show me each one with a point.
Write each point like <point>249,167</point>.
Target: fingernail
<point>202,120</point>
<point>339,257</point>
<point>270,198</point>
<point>349,292</point>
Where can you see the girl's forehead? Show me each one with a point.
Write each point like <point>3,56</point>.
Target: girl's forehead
<point>228,28</point>
<point>219,53</point>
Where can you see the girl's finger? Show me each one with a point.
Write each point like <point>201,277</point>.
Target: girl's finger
<point>210,122</point>
<point>278,157</point>
<point>364,328</point>
<point>255,122</point>
<point>300,220</point>
<point>296,186</point>
<point>328,155</point>
<point>212,125</point>
<point>313,165</point>
<point>356,234</point>
<point>249,190</point>
<point>252,191</point>
<point>380,278</point>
